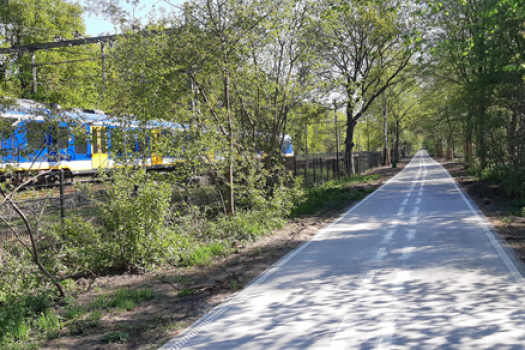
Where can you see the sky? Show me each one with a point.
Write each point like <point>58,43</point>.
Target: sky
<point>97,25</point>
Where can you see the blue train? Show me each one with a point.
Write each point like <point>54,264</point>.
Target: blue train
<point>57,146</point>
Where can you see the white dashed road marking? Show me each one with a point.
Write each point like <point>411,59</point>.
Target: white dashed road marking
<point>380,254</point>
<point>411,235</point>
<point>388,236</point>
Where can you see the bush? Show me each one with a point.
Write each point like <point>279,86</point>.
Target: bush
<point>332,194</point>
<point>116,337</point>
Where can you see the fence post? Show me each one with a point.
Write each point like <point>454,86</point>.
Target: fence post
<point>62,208</point>
<point>338,167</point>
<point>321,168</point>
<point>313,166</point>
<point>306,173</point>
<point>327,170</point>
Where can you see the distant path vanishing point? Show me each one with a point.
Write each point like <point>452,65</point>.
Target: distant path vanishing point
<point>412,266</point>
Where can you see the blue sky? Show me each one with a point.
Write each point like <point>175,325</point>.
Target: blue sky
<point>96,25</point>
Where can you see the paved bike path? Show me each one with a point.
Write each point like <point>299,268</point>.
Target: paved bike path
<point>410,267</point>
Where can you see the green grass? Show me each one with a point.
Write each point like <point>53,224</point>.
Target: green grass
<point>203,254</point>
<point>73,312</point>
<point>49,324</point>
<point>122,299</point>
<point>333,194</point>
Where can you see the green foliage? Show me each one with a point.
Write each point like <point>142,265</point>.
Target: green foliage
<point>511,180</point>
<point>49,324</point>
<point>115,338</point>
<point>202,255</point>
<point>333,194</point>
<point>122,299</point>
<point>74,312</point>
<point>26,22</point>
<point>19,316</point>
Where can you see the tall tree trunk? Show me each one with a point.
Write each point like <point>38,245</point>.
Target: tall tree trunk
<point>511,132</point>
<point>349,140</point>
<point>467,148</point>
<point>386,150</point>
<point>230,178</point>
<point>480,135</point>
<point>396,143</point>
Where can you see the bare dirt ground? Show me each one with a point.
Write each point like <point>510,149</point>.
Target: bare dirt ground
<point>184,294</point>
<point>495,205</point>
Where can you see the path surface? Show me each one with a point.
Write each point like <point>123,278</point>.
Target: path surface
<point>411,267</point>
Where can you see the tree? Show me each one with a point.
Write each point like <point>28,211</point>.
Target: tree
<point>66,76</point>
<point>366,45</point>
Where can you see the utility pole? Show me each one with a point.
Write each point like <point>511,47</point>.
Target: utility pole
<point>306,134</point>
<point>33,71</point>
<point>336,136</point>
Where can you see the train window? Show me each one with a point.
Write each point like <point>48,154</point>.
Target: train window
<point>36,135</point>
<point>80,145</point>
<point>94,140</point>
<point>61,137</point>
<point>104,141</point>
<point>99,140</point>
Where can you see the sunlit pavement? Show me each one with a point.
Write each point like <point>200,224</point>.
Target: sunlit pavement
<point>411,267</point>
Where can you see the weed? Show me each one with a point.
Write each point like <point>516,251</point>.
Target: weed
<point>77,328</point>
<point>170,327</point>
<point>94,318</point>
<point>122,299</point>
<point>115,337</point>
<point>49,323</point>
<point>185,292</point>
<point>202,255</point>
<point>333,194</point>
<point>74,312</point>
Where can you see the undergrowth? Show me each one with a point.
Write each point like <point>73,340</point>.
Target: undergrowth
<point>170,235</point>
<point>333,194</point>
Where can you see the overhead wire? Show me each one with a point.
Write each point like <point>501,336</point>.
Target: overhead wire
<point>18,26</point>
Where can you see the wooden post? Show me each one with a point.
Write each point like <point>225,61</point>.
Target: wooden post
<point>33,71</point>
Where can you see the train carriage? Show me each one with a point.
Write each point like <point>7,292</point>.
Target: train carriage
<point>81,142</point>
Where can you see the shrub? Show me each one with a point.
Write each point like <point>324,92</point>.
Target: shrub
<point>116,337</point>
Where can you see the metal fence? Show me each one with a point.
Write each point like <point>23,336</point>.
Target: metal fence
<point>45,202</point>
<point>321,168</point>
<point>54,198</point>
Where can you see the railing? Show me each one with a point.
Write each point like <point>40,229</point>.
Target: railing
<point>325,167</point>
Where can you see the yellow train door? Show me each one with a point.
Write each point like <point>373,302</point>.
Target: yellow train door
<point>156,157</point>
<point>99,147</point>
